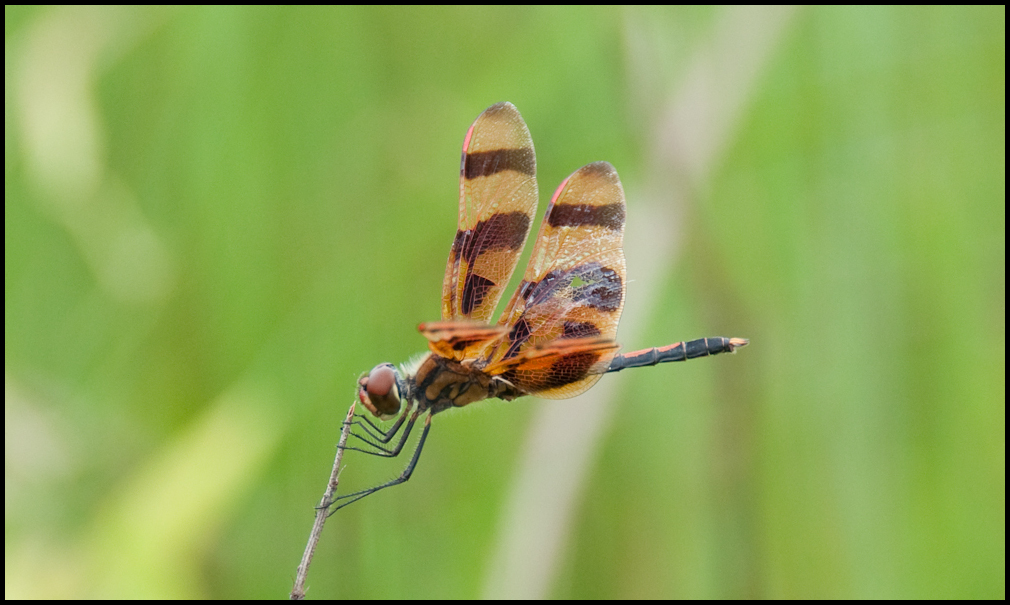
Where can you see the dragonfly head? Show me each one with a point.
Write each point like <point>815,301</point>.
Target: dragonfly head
<point>379,391</point>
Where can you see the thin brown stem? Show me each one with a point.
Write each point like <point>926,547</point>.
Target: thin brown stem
<point>298,592</point>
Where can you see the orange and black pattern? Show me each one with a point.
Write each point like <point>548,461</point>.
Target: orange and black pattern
<point>563,318</point>
<point>556,337</point>
<point>453,339</point>
<point>497,203</point>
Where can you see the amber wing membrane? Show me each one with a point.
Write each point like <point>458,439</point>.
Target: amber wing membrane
<point>497,203</point>
<point>459,339</point>
<point>563,318</point>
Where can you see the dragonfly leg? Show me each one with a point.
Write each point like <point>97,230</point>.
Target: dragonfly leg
<point>386,452</point>
<point>354,497</point>
<point>380,435</point>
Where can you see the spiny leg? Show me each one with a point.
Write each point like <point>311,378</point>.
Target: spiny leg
<point>401,479</point>
<point>380,435</point>
<point>369,428</point>
<point>387,453</point>
<point>679,351</point>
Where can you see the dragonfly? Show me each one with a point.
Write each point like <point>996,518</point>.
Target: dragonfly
<point>555,337</point>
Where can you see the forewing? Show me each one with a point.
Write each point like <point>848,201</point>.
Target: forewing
<point>459,339</point>
<point>497,203</point>
<point>573,287</point>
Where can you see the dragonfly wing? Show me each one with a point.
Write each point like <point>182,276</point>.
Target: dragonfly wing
<point>573,288</point>
<point>497,203</point>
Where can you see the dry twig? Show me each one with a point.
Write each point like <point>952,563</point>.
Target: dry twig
<point>322,512</point>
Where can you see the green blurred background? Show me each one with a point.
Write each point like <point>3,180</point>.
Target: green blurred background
<point>216,218</point>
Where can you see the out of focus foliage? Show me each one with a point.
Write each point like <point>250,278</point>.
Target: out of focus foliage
<point>216,218</point>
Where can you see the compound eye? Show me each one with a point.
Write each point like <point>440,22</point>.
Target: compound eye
<point>380,381</point>
<point>379,393</point>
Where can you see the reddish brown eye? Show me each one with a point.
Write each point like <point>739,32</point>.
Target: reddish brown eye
<point>380,381</point>
<point>378,391</point>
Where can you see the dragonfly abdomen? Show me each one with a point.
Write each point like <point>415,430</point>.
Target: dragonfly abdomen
<point>681,351</point>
